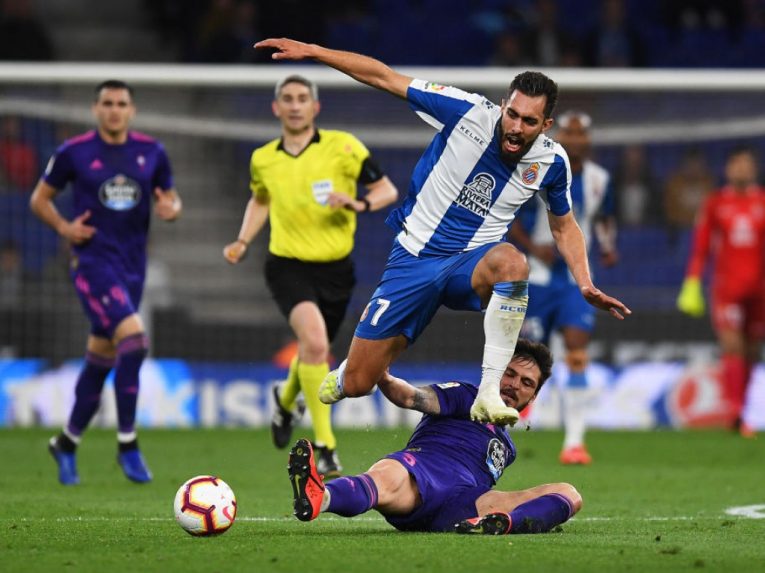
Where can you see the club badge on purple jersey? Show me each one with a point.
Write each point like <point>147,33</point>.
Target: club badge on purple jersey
<point>120,193</point>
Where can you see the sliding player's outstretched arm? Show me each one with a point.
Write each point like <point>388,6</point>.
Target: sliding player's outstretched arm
<point>361,68</point>
<point>404,395</point>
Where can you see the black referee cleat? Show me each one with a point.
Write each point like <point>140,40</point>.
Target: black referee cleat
<point>283,421</point>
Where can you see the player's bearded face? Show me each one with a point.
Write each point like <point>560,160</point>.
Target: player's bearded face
<point>113,110</point>
<point>296,108</point>
<point>519,383</point>
<point>521,123</point>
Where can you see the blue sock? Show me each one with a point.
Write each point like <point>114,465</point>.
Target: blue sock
<point>130,354</point>
<point>351,496</point>
<point>541,514</point>
<point>87,392</point>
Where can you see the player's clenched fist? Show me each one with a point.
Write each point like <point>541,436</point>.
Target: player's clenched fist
<point>234,252</point>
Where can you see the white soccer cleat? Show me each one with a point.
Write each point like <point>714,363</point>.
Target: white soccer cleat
<point>488,408</point>
<point>331,389</point>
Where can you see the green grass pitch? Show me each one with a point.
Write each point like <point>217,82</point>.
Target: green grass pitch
<point>653,501</point>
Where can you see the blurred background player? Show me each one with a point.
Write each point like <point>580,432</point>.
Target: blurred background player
<point>484,162</point>
<point>443,480</point>
<point>304,183</point>
<point>115,173</point>
<point>555,302</point>
<point>731,230</point>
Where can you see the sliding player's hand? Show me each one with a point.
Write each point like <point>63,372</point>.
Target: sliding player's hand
<point>286,49</point>
<point>601,300</point>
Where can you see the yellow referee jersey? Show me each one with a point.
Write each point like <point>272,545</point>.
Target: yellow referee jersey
<point>303,226</point>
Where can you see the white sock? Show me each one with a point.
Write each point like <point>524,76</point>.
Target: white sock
<point>501,326</point>
<point>325,500</point>
<point>126,437</point>
<point>71,436</point>
<point>576,404</point>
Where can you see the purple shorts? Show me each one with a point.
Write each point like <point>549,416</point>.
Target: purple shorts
<point>107,297</point>
<point>448,495</point>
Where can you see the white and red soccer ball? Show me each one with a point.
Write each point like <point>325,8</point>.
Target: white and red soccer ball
<point>205,505</point>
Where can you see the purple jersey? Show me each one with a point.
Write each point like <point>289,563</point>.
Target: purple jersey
<point>482,451</point>
<point>116,184</point>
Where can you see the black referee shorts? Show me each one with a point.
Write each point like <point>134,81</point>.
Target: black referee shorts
<point>329,285</point>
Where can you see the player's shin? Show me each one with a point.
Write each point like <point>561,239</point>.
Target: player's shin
<point>131,352</point>
<point>311,377</point>
<point>349,496</point>
<point>90,384</point>
<point>541,514</point>
<point>577,397</point>
<point>502,325</point>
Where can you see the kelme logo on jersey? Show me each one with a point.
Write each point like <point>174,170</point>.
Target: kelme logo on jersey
<point>530,174</point>
<point>120,193</point>
<point>495,458</point>
<point>476,195</point>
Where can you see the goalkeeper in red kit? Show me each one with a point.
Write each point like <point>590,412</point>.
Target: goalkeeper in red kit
<point>731,230</point>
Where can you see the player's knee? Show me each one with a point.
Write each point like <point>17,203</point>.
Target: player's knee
<point>506,263</point>
<point>577,360</point>
<point>572,494</point>
<point>313,349</point>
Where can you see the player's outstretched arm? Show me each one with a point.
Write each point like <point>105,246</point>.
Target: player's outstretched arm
<point>361,68</point>
<point>254,218</point>
<point>570,242</point>
<point>404,395</point>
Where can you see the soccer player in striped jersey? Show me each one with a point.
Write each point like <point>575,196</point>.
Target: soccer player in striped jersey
<point>484,163</point>
<point>116,175</point>
<point>555,303</point>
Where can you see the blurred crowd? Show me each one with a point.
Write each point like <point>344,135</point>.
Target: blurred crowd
<point>588,33</point>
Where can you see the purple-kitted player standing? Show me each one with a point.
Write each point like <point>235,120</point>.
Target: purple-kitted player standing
<point>115,175</point>
<point>443,480</point>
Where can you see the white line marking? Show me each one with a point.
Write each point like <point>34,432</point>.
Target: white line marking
<point>750,511</point>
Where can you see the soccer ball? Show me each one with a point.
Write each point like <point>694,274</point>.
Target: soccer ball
<point>205,505</point>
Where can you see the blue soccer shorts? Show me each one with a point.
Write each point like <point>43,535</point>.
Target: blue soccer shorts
<point>412,288</point>
<point>448,495</point>
<point>107,296</point>
<point>554,307</point>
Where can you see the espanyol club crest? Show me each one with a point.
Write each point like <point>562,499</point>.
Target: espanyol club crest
<point>530,174</point>
<point>120,193</point>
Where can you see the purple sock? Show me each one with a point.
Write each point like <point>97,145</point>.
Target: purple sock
<point>130,354</point>
<point>87,393</point>
<point>541,514</point>
<point>351,496</point>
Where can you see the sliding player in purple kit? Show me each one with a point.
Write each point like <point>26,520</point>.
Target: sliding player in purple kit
<point>482,165</point>
<point>443,480</point>
<point>115,174</point>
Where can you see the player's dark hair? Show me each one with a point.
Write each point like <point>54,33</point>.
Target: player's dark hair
<point>297,79</point>
<point>113,85</point>
<point>538,353</point>
<point>535,84</point>
<point>742,150</point>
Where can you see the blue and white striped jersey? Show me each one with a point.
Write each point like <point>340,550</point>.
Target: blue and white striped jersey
<point>592,196</point>
<point>462,195</point>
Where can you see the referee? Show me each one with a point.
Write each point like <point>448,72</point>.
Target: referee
<point>305,183</point>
